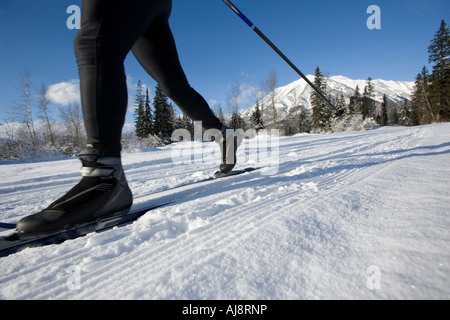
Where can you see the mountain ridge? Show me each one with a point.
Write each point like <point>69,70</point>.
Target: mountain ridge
<point>298,93</point>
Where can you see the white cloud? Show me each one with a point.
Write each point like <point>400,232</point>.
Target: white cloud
<point>64,93</point>
<point>67,92</point>
<point>213,102</point>
<point>247,94</point>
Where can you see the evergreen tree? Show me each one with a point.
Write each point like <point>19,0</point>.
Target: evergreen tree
<point>354,106</point>
<point>257,122</point>
<point>439,89</point>
<point>405,114</point>
<point>139,112</point>
<point>188,124</point>
<point>340,104</point>
<point>393,115</point>
<point>164,115</point>
<point>420,104</point>
<point>236,120</point>
<point>220,114</point>
<point>184,122</point>
<point>383,119</point>
<point>148,116</point>
<point>321,115</point>
<point>178,123</point>
<point>143,114</point>
<point>368,104</point>
<point>304,120</point>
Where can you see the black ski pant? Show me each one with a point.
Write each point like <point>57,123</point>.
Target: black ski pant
<point>109,31</point>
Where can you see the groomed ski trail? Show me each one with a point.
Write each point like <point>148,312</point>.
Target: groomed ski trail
<point>338,205</point>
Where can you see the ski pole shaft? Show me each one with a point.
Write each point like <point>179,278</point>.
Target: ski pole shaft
<point>281,54</point>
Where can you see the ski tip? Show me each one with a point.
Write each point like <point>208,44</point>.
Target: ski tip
<point>220,174</point>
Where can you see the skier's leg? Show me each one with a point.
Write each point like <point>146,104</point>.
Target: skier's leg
<point>108,31</point>
<point>156,52</point>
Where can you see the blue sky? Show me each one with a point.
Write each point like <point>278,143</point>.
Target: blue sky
<point>216,48</point>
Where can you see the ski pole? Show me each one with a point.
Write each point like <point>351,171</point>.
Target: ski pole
<point>281,54</point>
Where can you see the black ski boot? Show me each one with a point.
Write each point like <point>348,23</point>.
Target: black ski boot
<point>103,190</point>
<point>231,140</point>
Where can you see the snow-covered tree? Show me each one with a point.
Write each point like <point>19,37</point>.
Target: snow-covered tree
<point>368,102</point>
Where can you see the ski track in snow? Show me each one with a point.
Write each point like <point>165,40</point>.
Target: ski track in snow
<point>339,205</point>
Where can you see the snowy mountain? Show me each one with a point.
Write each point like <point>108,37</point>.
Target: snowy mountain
<point>354,215</point>
<point>298,94</point>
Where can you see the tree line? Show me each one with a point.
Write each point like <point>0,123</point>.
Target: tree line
<point>361,110</point>
<point>431,96</point>
<point>430,101</point>
<point>159,121</point>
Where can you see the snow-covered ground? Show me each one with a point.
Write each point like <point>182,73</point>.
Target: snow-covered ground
<point>359,215</point>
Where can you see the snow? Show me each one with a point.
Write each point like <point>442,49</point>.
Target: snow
<point>355,215</point>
